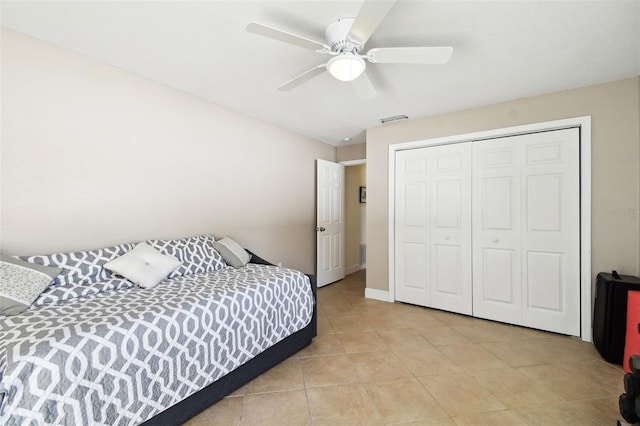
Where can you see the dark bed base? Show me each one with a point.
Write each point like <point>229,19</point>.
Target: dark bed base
<point>201,400</point>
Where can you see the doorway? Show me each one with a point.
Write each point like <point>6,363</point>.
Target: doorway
<point>355,250</point>
<point>340,219</point>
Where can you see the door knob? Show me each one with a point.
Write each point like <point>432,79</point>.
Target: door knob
<point>320,228</point>
<point>447,238</point>
<point>496,240</point>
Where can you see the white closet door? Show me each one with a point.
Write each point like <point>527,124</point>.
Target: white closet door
<point>551,231</point>
<point>526,237</point>
<point>433,227</point>
<point>496,230</point>
<point>412,229</point>
<point>450,242</point>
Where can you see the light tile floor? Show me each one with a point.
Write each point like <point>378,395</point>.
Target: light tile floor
<point>377,363</point>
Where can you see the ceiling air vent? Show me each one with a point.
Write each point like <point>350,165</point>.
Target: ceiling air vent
<point>386,120</point>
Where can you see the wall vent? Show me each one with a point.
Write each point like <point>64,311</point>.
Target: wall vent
<point>386,120</point>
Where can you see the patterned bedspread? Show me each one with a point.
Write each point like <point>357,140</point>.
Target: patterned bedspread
<point>120,357</point>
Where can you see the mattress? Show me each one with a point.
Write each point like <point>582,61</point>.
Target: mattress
<point>120,357</point>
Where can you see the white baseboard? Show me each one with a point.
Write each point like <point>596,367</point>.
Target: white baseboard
<point>354,268</point>
<point>372,293</point>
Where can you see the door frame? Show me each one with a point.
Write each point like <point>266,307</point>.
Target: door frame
<point>349,163</point>
<point>583,123</point>
<point>345,163</point>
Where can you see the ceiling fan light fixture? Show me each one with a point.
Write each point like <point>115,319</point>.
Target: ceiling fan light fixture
<point>346,66</point>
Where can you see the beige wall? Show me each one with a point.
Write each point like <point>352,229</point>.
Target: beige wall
<point>615,112</point>
<point>355,177</point>
<point>352,152</point>
<point>92,155</point>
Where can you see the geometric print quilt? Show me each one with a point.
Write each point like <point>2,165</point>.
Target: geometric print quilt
<point>121,357</point>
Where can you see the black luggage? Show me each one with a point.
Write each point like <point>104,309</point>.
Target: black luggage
<point>610,314</point>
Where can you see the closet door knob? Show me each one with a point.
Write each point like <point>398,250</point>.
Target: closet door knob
<point>495,240</point>
<point>447,238</point>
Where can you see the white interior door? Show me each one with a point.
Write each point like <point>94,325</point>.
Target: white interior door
<point>329,222</point>
<point>433,227</point>
<point>526,238</point>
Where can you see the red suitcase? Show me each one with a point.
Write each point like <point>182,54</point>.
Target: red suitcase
<point>632,339</point>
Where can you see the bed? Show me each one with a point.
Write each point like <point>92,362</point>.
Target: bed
<point>130,355</point>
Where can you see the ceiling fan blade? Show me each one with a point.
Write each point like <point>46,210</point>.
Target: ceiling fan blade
<point>410,55</point>
<point>368,19</point>
<point>307,75</point>
<point>364,87</point>
<point>276,34</point>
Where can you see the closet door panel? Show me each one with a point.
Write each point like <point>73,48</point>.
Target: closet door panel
<point>526,230</point>
<point>433,227</point>
<point>545,282</point>
<point>415,279</point>
<point>499,276</point>
<point>451,228</point>
<point>551,234</point>
<point>412,248</point>
<point>448,203</point>
<point>499,294</point>
<point>497,282</point>
<point>498,203</point>
<point>543,211</point>
<point>446,269</point>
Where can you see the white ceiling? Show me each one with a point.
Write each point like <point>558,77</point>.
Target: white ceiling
<point>503,50</point>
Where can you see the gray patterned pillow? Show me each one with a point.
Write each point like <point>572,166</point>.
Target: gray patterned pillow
<point>197,254</point>
<point>81,267</point>
<point>21,283</point>
<point>232,252</point>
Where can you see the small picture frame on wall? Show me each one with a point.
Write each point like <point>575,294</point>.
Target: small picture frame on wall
<point>363,194</point>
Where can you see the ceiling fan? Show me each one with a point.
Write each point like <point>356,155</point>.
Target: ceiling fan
<point>345,40</point>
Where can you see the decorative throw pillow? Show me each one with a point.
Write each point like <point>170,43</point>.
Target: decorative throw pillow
<point>21,283</point>
<point>197,254</point>
<point>69,292</point>
<point>232,252</point>
<point>81,267</point>
<point>143,265</point>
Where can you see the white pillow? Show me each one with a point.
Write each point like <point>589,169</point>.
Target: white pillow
<point>232,252</point>
<point>143,265</point>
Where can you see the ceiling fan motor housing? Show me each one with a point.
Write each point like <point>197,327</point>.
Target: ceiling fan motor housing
<point>337,36</point>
